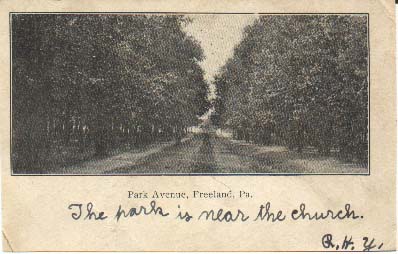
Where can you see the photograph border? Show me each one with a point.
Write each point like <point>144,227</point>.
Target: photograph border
<point>199,13</point>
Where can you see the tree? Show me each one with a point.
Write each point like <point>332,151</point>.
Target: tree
<point>302,79</point>
<point>103,80</point>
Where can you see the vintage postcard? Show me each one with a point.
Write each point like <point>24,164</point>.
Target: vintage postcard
<point>198,125</point>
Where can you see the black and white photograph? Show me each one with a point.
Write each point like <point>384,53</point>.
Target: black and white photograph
<point>189,94</point>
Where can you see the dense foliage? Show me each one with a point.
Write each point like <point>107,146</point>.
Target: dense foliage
<point>101,80</point>
<point>301,81</point>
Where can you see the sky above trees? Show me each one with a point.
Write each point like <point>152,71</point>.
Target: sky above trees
<point>218,35</point>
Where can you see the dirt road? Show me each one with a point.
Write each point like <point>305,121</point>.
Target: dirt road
<point>210,154</point>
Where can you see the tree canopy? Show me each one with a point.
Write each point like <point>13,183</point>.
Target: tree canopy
<point>299,80</point>
<point>102,77</point>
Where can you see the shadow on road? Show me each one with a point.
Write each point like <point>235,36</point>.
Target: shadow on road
<point>204,161</point>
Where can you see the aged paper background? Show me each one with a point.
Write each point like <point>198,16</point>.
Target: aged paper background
<point>35,214</point>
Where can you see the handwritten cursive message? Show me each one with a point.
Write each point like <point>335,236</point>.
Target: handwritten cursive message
<point>264,212</point>
<point>87,211</point>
